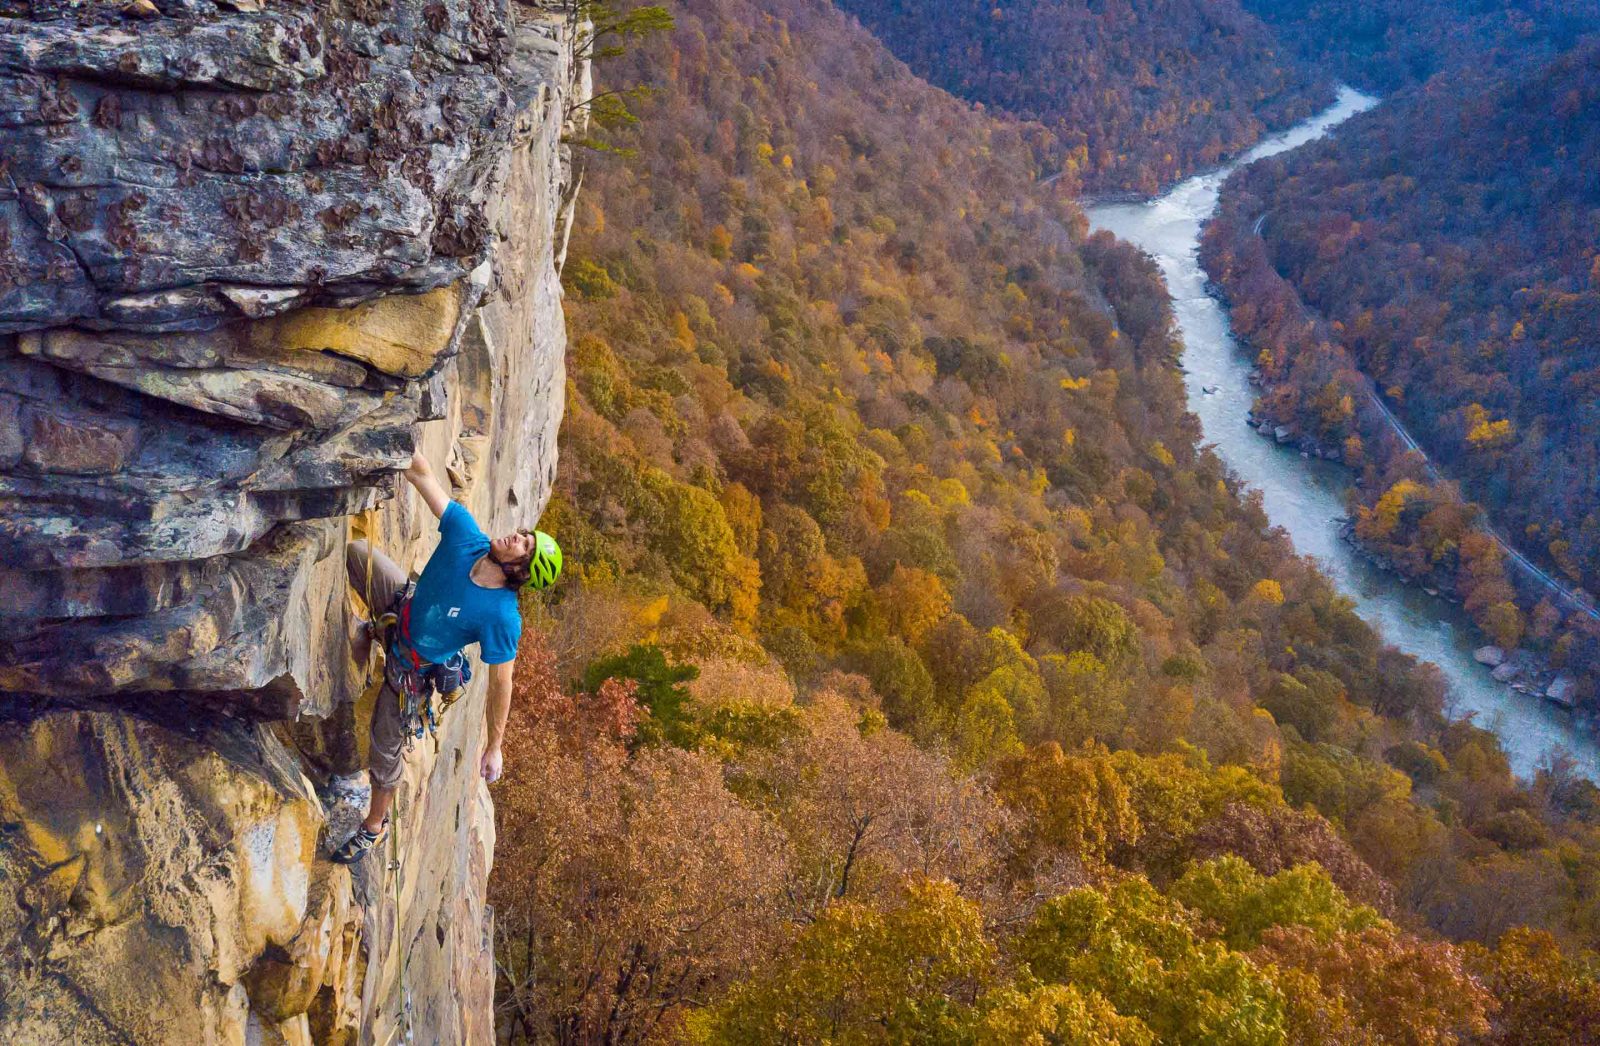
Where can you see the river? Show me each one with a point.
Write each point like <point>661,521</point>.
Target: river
<point>1305,496</point>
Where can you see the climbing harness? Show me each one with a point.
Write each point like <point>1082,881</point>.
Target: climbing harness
<point>416,681</point>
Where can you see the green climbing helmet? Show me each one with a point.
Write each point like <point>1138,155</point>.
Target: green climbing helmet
<point>545,566</point>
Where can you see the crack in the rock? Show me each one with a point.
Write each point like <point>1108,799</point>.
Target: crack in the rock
<point>27,204</point>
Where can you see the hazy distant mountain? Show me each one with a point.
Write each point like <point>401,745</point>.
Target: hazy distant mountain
<point>1387,44</point>
<point>1139,92</point>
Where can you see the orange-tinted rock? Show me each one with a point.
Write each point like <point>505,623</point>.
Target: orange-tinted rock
<point>151,868</point>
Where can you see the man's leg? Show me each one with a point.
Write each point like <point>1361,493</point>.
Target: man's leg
<point>378,811</point>
<point>379,579</point>
<point>363,562</point>
<point>386,753</point>
<point>385,764</point>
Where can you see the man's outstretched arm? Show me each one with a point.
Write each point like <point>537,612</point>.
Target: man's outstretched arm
<point>420,475</point>
<point>494,714</point>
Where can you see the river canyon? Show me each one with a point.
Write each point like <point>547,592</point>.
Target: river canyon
<point>1305,496</point>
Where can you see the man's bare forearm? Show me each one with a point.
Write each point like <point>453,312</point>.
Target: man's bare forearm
<point>419,467</point>
<point>498,707</point>
<point>420,475</point>
<point>494,714</point>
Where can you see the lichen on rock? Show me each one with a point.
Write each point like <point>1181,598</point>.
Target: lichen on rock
<point>214,162</point>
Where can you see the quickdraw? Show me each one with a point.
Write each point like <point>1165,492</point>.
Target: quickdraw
<point>414,680</point>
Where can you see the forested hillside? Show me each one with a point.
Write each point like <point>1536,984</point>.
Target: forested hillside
<point>1137,93</point>
<point>1451,240</point>
<point>916,678</point>
<point>1386,45</point>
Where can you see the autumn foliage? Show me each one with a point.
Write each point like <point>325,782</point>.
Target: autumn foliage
<point>915,677</point>
<point>625,884</point>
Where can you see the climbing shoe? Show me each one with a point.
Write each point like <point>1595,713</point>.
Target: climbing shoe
<point>359,845</point>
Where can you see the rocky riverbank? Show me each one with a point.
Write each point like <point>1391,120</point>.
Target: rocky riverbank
<point>1290,434</point>
<point>1524,671</point>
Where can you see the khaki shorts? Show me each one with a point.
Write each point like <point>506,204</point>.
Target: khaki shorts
<point>386,749</point>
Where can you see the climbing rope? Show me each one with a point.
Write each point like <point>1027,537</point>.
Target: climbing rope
<point>394,879</point>
<point>366,525</point>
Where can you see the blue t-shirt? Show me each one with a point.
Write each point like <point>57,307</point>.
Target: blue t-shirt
<point>450,610</point>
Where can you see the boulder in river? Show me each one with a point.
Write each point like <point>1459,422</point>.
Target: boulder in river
<point>1561,690</point>
<point>1282,433</point>
<point>1507,672</point>
<point>1492,656</point>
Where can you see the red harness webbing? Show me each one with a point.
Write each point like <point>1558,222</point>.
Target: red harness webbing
<point>405,635</point>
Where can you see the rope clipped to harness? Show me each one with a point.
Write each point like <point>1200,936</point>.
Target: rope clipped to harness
<point>366,523</point>
<point>415,680</point>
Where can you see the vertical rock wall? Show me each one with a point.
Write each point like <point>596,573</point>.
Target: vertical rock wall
<point>250,254</point>
<point>430,960</point>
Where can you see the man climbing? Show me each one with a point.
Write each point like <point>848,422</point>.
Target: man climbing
<point>467,594</point>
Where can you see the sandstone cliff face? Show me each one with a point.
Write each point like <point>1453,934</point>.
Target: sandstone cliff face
<point>250,254</point>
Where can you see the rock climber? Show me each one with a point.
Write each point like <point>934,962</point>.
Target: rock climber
<point>466,594</point>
